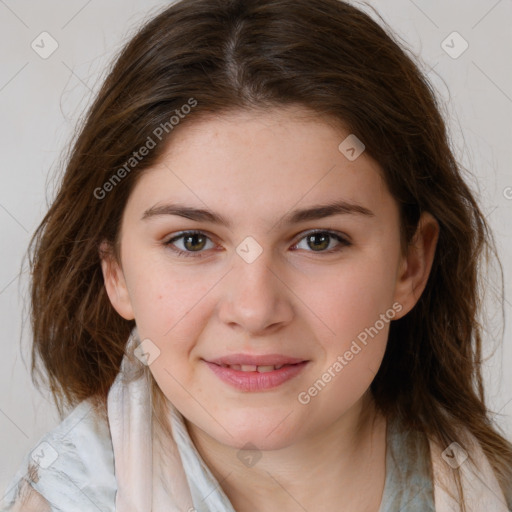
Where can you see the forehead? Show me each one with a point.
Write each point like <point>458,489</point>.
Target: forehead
<point>260,162</point>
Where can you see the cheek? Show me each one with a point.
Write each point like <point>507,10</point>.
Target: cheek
<point>355,297</point>
<point>170,310</point>
<point>162,295</point>
<point>345,378</point>
<point>361,318</point>
<point>358,310</point>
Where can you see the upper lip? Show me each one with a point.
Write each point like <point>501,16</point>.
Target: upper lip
<point>255,360</point>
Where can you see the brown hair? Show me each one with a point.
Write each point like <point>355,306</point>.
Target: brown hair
<point>227,55</point>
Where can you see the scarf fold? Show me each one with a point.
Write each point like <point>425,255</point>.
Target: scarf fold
<point>156,473</point>
<point>149,473</point>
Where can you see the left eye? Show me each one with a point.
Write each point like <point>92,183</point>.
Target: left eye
<point>321,240</point>
<point>195,241</point>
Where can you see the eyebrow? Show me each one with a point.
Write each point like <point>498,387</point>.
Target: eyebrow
<point>315,212</point>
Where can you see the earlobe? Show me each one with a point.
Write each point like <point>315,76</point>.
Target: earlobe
<point>115,283</point>
<point>415,266</point>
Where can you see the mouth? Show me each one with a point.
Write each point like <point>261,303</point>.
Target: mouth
<point>250,360</point>
<point>256,373</point>
<point>254,368</point>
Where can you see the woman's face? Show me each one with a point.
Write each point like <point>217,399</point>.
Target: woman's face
<point>256,287</point>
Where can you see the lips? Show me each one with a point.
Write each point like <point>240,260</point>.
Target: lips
<point>256,373</point>
<point>254,360</point>
<point>253,367</point>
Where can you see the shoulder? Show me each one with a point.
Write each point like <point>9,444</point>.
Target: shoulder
<point>71,465</point>
<point>480,485</point>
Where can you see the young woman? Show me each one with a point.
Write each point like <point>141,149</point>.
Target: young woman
<point>258,286</point>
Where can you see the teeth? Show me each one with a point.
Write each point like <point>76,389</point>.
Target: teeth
<point>263,369</point>
<point>254,368</point>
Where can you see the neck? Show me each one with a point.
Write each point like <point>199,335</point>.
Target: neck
<point>344,463</point>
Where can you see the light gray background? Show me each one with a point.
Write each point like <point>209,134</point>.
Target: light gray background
<point>41,100</point>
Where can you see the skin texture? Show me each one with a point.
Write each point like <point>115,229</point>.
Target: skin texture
<point>295,299</point>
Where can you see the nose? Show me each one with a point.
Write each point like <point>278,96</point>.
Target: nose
<point>256,297</point>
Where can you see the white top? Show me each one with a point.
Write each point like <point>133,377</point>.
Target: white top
<point>123,461</point>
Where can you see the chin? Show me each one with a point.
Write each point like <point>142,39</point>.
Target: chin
<point>251,440</point>
<point>263,430</point>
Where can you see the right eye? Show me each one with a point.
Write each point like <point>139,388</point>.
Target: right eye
<point>192,242</point>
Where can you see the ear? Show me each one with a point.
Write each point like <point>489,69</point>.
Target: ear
<point>115,283</point>
<point>415,266</point>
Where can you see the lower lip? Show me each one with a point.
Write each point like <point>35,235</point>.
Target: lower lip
<point>256,381</point>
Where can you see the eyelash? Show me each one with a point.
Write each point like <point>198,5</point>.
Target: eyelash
<point>199,254</point>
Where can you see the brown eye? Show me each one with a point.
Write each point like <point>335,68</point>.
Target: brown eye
<point>194,242</point>
<point>191,242</point>
<point>320,241</point>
